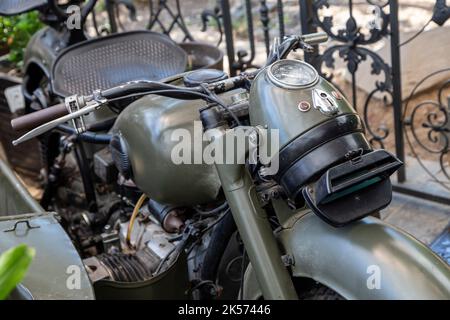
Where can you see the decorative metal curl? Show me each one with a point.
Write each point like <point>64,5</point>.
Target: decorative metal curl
<point>351,34</point>
<point>214,14</point>
<point>350,48</point>
<point>436,122</point>
<point>381,133</point>
<point>437,129</point>
<point>353,57</point>
<point>444,165</point>
<point>441,91</point>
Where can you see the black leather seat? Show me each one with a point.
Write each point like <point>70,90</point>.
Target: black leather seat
<point>14,7</point>
<point>113,60</point>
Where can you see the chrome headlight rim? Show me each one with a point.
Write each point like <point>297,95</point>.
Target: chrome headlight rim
<point>286,85</point>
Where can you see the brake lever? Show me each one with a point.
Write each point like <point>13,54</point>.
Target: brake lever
<point>54,123</point>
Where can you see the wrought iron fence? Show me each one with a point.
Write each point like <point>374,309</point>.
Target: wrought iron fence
<point>353,44</point>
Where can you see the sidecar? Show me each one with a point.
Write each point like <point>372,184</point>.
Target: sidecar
<point>57,271</point>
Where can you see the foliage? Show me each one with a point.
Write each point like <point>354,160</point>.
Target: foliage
<point>15,32</point>
<point>14,264</point>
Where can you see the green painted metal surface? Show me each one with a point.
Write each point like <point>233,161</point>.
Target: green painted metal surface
<point>14,197</point>
<point>151,128</point>
<point>277,108</point>
<point>56,260</point>
<point>349,260</point>
<point>56,271</point>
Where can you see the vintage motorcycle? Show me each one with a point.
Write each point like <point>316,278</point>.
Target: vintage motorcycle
<point>294,224</point>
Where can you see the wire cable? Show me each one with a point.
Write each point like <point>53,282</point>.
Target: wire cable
<point>133,217</point>
<point>212,211</point>
<point>203,96</point>
<point>416,34</point>
<point>217,221</point>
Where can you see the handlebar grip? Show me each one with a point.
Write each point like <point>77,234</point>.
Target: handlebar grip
<point>35,119</point>
<point>315,38</point>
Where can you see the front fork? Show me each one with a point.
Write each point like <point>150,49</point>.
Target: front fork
<point>254,227</point>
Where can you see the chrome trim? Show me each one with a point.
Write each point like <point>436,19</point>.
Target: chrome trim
<point>282,84</point>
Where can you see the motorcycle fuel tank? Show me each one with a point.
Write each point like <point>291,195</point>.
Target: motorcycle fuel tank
<point>151,130</point>
<point>290,96</point>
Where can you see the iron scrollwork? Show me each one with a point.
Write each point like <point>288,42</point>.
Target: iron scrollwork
<point>436,141</point>
<point>214,14</point>
<point>160,10</point>
<point>352,43</point>
<point>352,49</point>
<point>176,18</point>
<point>244,57</point>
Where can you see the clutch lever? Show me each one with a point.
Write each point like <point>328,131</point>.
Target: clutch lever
<point>54,123</point>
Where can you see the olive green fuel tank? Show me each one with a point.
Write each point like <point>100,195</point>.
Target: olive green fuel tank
<point>151,128</point>
<point>293,110</point>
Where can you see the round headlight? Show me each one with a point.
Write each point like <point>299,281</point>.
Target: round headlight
<point>292,74</point>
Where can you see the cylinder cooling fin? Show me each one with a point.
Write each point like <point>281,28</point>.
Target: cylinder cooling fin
<point>122,267</point>
<point>125,267</point>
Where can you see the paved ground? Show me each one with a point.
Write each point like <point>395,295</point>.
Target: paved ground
<point>423,219</point>
<point>427,221</point>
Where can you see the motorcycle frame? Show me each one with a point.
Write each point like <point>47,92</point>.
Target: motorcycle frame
<point>254,228</point>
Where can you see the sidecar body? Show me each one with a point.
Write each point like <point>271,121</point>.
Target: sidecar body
<point>56,271</point>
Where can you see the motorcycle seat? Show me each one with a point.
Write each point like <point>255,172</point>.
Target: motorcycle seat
<point>15,7</point>
<point>112,60</point>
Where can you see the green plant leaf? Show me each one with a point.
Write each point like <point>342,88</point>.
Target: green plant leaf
<point>14,264</point>
<point>15,32</point>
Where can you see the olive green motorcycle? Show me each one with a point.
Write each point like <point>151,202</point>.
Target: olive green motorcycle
<point>261,185</point>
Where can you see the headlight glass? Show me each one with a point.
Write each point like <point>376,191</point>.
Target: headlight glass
<point>292,74</point>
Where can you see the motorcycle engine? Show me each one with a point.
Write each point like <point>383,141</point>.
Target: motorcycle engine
<point>138,258</point>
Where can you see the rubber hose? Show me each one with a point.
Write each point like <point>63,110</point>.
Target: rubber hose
<point>88,136</point>
<point>220,237</point>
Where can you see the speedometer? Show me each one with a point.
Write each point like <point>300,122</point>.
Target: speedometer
<point>292,74</point>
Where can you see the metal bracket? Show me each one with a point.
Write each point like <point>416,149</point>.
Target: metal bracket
<point>73,104</point>
<point>324,102</point>
<point>27,223</point>
<point>54,123</point>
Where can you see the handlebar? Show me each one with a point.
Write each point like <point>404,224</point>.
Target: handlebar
<point>34,119</point>
<point>314,38</point>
